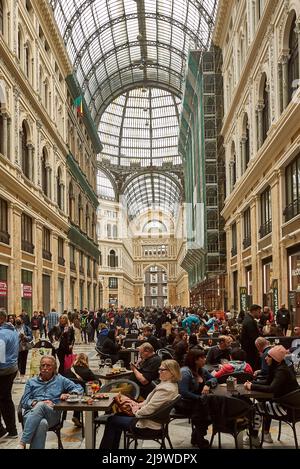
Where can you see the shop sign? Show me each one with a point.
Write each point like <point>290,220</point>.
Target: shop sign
<point>243,299</point>
<point>3,288</point>
<point>26,290</point>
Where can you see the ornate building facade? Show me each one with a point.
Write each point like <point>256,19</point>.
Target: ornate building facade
<point>260,43</point>
<point>48,251</point>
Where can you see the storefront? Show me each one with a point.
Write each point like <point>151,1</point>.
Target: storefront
<point>267,280</point>
<point>26,290</point>
<point>3,287</point>
<point>294,284</point>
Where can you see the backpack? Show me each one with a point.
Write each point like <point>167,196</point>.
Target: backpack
<point>83,322</point>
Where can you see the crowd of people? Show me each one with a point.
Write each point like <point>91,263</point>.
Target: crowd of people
<point>181,351</point>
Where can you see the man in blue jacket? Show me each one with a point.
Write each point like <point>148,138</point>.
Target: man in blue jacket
<point>40,395</point>
<point>9,350</point>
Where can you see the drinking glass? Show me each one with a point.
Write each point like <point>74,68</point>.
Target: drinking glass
<point>101,363</point>
<point>108,363</point>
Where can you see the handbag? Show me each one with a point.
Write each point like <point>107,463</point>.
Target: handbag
<point>125,405</point>
<point>29,345</point>
<point>69,360</point>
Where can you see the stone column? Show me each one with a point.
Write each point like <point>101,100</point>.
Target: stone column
<point>48,179</point>
<point>30,153</point>
<point>39,264</point>
<point>259,110</point>
<point>285,80</point>
<point>16,301</point>
<point>297,31</point>
<point>280,86</point>
<point>253,218</point>
<point>243,154</point>
<point>9,138</point>
<point>231,171</point>
<point>4,135</point>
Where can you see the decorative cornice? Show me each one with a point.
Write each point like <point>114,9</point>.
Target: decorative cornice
<point>52,32</point>
<point>223,12</point>
<point>251,59</point>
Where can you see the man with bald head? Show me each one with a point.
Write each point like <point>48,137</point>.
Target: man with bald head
<point>263,346</point>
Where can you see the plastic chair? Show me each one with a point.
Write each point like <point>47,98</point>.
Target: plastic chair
<point>229,415</point>
<point>241,377</point>
<point>161,416</point>
<point>291,404</point>
<point>56,428</point>
<point>113,387</point>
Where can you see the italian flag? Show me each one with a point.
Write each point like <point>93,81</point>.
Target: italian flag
<point>78,103</point>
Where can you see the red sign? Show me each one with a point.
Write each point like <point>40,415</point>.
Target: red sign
<point>26,290</point>
<point>3,288</point>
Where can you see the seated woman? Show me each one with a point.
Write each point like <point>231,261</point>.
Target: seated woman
<point>109,346</point>
<point>195,382</point>
<point>236,364</point>
<point>281,380</point>
<point>167,390</point>
<point>80,373</point>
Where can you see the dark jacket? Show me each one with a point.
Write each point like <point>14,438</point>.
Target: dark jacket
<point>249,334</point>
<point>280,381</point>
<point>215,355</point>
<point>85,373</point>
<point>283,317</point>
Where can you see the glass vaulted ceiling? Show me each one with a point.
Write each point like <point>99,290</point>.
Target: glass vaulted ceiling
<point>135,124</point>
<point>116,44</point>
<point>118,48</point>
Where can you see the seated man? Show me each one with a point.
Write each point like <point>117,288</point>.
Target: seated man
<point>40,395</point>
<point>150,338</point>
<point>219,352</point>
<point>236,364</point>
<point>146,369</point>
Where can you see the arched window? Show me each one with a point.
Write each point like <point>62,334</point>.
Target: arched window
<point>46,91</point>
<point>112,259</point>
<point>87,220</point>
<point>266,110</point>
<point>232,165</point>
<point>71,201</point>
<point>1,17</point>
<point>293,64</point>
<point>27,60</point>
<point>245,143</point>
<point>79,211</point>
<point>59,189</point>
<point>25,152</point>
<point>20,40</point>
<point>93,234</point>
<point>44,172</point>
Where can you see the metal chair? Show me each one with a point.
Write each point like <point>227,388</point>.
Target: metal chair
<point>161,416</point>
<point>288,412</point>
<point>115,386</point>
<point>164,354</point>
<point>229,415</point>
<point>56,428</point>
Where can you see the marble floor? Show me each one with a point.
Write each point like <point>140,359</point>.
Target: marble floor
<point>180,430</point>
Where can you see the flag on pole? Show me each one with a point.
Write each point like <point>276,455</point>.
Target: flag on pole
<point>78,103</point>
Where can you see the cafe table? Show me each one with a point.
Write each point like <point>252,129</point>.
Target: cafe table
<point>240,391</point>
<point>132,350</point>
<point>106,377</point>
<point>88,409</point>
